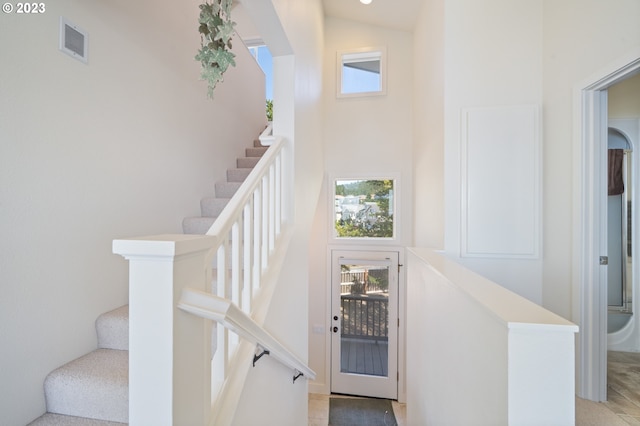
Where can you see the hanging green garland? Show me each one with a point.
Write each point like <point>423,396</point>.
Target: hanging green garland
<point>216,30</point>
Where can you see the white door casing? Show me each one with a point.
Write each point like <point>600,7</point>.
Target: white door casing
<point>590,277</point>
<point>364,357</point>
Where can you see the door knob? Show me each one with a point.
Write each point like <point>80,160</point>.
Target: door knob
<point>335,329</point>
<point>335,318</point>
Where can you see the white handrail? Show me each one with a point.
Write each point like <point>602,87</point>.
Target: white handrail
<point>223,311</point>
<point>233,209</point>
<point>249,240</point>
<point>252,221</point>
<point>266,137</point>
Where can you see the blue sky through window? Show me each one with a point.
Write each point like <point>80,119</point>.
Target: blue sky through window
<point>359,81</point>
<point>263,56</point>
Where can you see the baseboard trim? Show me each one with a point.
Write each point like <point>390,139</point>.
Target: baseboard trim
<point>319,388</point>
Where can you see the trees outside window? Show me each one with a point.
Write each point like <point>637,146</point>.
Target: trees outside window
<point>364,208</point>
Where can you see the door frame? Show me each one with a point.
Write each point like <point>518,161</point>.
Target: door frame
<point>589,278</point>
<point>365,384</point>
<point>402,388</point>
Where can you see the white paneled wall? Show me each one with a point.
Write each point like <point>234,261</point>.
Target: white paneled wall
<point>501,182</point>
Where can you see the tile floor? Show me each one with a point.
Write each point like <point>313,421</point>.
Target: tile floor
<point>623,393</point>
<point>623,390</point>
<point>623,377</point>
<point>319,410</point>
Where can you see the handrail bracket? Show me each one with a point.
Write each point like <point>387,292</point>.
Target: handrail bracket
<point>257,356</point>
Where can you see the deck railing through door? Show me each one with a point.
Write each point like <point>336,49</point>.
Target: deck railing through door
<point>365,316</point>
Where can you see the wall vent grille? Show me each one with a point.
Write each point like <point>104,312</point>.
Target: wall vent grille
<point>74,41</point>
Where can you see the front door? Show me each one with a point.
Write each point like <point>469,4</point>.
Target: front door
<point>364,323</point>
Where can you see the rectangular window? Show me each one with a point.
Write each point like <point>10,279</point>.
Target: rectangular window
<point>361,72</point>
<point>364,208</point>
<point>263,57</point>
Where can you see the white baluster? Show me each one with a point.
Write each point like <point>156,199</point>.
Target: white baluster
<point>247,257</point>
<point>264,240</point>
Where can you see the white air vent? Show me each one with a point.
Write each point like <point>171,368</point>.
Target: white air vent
<point>74,41</point>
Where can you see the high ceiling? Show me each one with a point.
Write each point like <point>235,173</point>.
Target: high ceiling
<point>395,14</point>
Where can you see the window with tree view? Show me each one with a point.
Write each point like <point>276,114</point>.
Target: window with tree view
<point>364,208</point>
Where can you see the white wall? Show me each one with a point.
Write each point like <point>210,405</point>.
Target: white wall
<point>532,52</point>
<point>319,299</point>
<point>295,38</point>
<point>362,136</point>
<point>500,360</point>
<point>580,40</point>
<point>371,134</point>
<point>492,54</point>
<point>624,98</point>
<point>428,125</point>
<point>123,146</point>
<point>503,53</point>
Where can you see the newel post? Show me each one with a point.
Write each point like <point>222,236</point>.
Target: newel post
<point>169,350</point>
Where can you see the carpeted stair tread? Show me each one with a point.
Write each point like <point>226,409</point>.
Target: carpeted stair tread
<point>226,189</point>
<point>247,162</point>
<point>256,151</point>
<point>95,386</point>
<point>212,206</point>
<point>113,329</point>
<point>197,225</point>
<point>51,419</point>
<point>237,175</point>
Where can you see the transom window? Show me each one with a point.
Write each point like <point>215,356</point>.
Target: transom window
<point>361,72</point>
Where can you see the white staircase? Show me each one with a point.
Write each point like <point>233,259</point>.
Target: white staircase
<point>248,242</point>
<point>211,207</point>
<point>93,390</point>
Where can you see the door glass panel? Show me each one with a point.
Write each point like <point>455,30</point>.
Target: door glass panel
<point>364,307</point>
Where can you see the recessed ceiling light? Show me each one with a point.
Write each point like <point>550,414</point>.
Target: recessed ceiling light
<point>365,1</point>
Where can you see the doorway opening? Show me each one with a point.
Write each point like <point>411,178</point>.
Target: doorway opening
<point>623,323</point>
<point>591,247</point>
<point>364,323</point>
<point>620,190</point>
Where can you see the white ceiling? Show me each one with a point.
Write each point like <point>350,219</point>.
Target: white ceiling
<point>395,14</point>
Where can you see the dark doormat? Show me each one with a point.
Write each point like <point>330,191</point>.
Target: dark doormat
<point>361,412</point>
